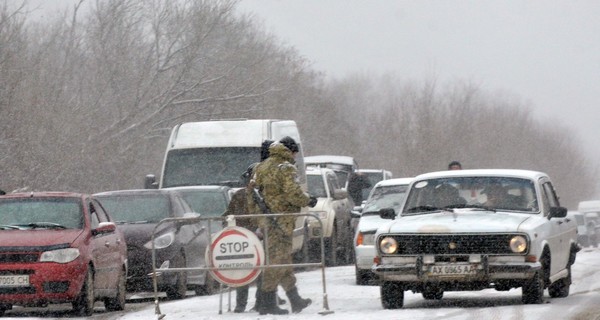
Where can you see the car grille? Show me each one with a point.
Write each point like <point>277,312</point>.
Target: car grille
<point>439,244</point>
<point>18,257</point>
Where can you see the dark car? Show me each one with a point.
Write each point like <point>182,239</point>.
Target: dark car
<point>58,247</point>
<point>177,244</point>
<point>208,201</point>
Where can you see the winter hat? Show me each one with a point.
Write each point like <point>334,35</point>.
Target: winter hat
<point>264,149</point>
<point>289,143</point>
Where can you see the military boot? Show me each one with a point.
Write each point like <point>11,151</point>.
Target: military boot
<point>268,304</point>
<point>259,299</point>
<point>241,299</point>
<point>296,301</point>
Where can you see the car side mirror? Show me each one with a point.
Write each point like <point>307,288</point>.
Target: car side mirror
<point>339,194</point>
<point>557,212</point>
<point>387,213</point>
<point>104,227</point>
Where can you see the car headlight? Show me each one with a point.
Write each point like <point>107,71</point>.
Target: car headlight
<point>161,241</point>
<point>518,244</point>
<point>321,214</point>
<point>60,256</point>
<point>388,245</point>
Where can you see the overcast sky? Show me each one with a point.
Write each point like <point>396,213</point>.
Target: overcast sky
<point>544,53</point>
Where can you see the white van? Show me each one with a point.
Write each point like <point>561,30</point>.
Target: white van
<point>217,152</point>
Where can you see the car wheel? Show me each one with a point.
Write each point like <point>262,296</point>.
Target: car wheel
<point>4,308</point>
<point>210,286</point>
<point>433,293</point>
<point>179,290</point>
<point>392,295</point>
<point>533,290</point>
<point>331,249</point>
<point>303,255</point>
<point>118,302</point>
<point>560,288</point>
<point>84,303</point>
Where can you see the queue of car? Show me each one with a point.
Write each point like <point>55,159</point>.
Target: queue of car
<point>436,232</point>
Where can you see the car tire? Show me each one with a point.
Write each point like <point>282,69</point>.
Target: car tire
<point>560,288</point>
<point>210,287</point>
<point>533,289</point>
<point>118,302</point>
<point>392,295</point>
<point>4,308</point>
<point>84,303</point>
<point>179,289</point>
<point>331,249</point>
<point>304,254</point>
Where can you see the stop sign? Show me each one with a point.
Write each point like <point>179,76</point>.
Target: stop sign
<point>235,247</point>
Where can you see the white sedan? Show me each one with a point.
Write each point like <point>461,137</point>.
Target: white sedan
<point>474,229</point>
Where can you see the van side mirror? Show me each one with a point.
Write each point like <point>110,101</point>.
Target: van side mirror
<point>387,213</point>
<point>150,182</point>
<point>557,212</point>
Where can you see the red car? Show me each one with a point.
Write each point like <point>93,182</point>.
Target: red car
<point>58,247</point>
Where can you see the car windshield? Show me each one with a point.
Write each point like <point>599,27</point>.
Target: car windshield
<point>208,166</point>
<point>385,197</point>
<point>316,186</point>
<point>136,208</point>
<point>487,193</point>
<point>208,203</point>
<point>41,213</point>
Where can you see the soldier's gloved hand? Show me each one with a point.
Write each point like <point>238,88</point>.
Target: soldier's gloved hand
<point>312,202</point>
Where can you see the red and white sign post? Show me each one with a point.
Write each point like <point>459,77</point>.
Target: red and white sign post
<point>235,247</point>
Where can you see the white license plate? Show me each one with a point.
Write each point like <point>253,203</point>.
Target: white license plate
<point>14,281</point>
<point>446,270</point>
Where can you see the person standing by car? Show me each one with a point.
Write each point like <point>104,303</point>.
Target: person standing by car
<point>276,180</point>
<point>356,183</point>
<point>239,206</point>
<point>454,165</point>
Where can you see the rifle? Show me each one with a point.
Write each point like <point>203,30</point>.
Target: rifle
<point>260,201</point>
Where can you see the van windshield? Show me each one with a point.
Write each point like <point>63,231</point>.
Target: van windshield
<point>208,166</point>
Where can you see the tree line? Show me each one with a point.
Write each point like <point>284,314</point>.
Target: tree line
<point>88,99</point>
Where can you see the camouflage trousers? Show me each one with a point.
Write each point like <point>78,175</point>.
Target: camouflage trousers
<point>279,248</point>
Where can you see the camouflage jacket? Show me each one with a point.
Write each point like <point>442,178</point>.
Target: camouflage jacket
<point>277,180</point>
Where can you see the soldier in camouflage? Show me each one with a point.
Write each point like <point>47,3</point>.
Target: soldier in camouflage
<point>276,179</point>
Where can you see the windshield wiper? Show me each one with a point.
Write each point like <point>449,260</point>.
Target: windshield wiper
<point>132,222</point>
<point>6,226</point>
<point>479,207</point>
<point>46,225</point>
<point>427,208</point>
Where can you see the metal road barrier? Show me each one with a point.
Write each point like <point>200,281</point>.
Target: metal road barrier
<point>231,222</point>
